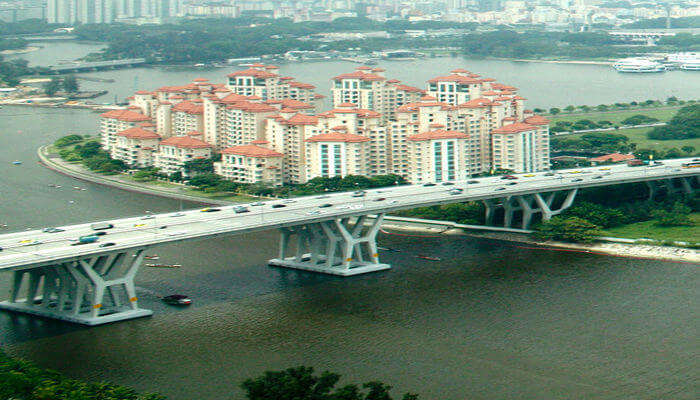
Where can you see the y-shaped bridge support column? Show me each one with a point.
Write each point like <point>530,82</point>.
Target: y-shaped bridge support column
<point>92,291</point>
<point>531,205</point>
<point>336,247</point>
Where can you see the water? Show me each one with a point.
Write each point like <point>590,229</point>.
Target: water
<point>490,321</point>
<point>544,85</point>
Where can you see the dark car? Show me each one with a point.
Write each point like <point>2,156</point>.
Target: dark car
<point>278,205</point>
<point>358,193</point>
<point>210,209</point>
<point>326,205</point>
<point>509,177</point>
<point>447,183</point>
<point>598,177</point>
<point>108,244</point>
<point>472,182</point>
<point>429,184</point>
<point>511,183</point>
<point>100,233</point>
<point>380,199</point>
<point>577,180</point>
<point>549,174</point>
<point>52,230</point>
<point>500,188</point>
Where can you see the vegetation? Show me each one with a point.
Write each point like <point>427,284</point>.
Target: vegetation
<point>53,86</point>
<point>12,70</point>
<point>571,229</point>
<point>26,26</point>
<point>89,153</point>
<point>70,84</point>
<point>651,229</point>
<point>23,380</point>
<point>678,215</point>
<point>471,213</point>
<point>301,384</point>
<point>594,142</point>
<point>683,22</point>
<point>684,125</point>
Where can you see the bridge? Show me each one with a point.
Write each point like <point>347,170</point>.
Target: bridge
<point>56,276</point>
<point>96,65</point>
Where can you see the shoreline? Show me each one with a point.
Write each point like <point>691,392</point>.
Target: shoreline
<point>25,50</point>
<point>575,62</point>
<point>610,246</point>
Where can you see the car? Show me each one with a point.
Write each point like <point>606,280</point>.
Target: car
<point>575,172</point>
<point>344,207</point>
<point>325,205</point>
<point>605,169</point>
<point>52,230</point>
<point>380,199</point>
<point>289,201</point>
<point>149,216</point>
<point>108,244</point>
<point>30,242</point>
<point>511,177</point>
<point>500,188</point>
<point>313,212</point>
<point>178,214</point>
<point>0,248</point>
<point>394,202</point>
<point>100,233</point>
<point>447,183</point>
<point>210,209</point>
<point>455,191</point>
<point>100,226</point>
<point>472,182</point>
<point>550,174</point>
<point>598,177</point>
<point>278,205</point>
<point>240,209</point>
<point>529,175</point>
<point>162,226</point>
<point>359,193</point>
<point>325,196</point>
<point>257,204</point>
<point>139,225</point>
<point>577,180</point>
<point>511,183</point>
<point>428,184</point>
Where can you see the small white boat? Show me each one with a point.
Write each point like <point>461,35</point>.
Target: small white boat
<point>16,162</point>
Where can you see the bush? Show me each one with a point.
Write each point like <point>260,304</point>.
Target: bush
<point>679,215</point>
<point>604,217</point>
<point>639,119</point>
<point>67,140</point>
<point>571,229</point>
<point>684,125</point>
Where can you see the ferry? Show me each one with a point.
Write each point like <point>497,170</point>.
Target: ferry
<point>164,265</point>
<point>691,65</point>
<point>638,65</point>
<point>177,300</point>
<point>430,258</point>
<point>682,58</point>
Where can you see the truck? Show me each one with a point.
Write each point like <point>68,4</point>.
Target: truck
<point>637,163</point>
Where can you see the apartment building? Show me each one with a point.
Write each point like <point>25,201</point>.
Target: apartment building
<point>437,156</point>
<point>136,147</point>
<point>251,163</point>
<point>337,153</point>
<point>175,151</point>
<point>115,121</point>
<point>263,81</point>
<point>522,146</point>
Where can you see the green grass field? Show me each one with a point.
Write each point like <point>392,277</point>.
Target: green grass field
<point>662,114</point>
<point>639,136</point>
<point>648,230</point>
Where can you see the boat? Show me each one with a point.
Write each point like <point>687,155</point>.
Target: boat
<point>177,300</point>
<point>16,162</point>
<point>691,66</point>
<point>388,249</point>
<point>638,65</point>
<point>164,265</point>
<point>153,257</point>
<point>431,258</point>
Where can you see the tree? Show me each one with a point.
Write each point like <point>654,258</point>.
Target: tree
<point>602,107</point>
<point>688,149</point>
<point>70,84</point>
<point>67,140</point>
<point>684,125</point>
<point>203,181</point>
<point>679,215</point>
<point>52,86</point>
<point>569,109</point>
<point>571,229</point>
<point>554,111</point>
<point>199,166</point>
<point>300,383</point>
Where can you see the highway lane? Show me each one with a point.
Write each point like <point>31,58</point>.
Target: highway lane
<point>192,224</point>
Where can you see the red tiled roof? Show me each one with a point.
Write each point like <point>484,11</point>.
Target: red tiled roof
<point>363,76</point>
<point>189,107</point>
<point>301,85</point>
<point>195,133</point>
<point>437,134</point>
<point>143,92</point>
<point>344,105</point>
<point>138,133</point>
<point>454,78</point>
<point>256,73</point>
<point>407,88</point>
<point>185,142</point>
<point>295,104</point>
<point>200,80</point>
<point>259,142</point>
<point>537,120</point>
<point>393,81</point>
<point>251,150</point>
<point>515,127</point>
<point>477,103</point>
<point>614,157</point>
<point>338,137</point>
<point>301,119</point>
<point>378,70</point>
<point>249,106</point>
<point>427,98</point>
<point>125,115</point>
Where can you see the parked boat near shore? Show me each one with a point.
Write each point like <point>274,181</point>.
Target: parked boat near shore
<point>638,65</point>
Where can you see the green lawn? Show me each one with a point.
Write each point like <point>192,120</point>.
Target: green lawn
<point>649,230</point>
<point>662,114</point>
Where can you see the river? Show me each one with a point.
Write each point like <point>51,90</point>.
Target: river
<point>490,321</point>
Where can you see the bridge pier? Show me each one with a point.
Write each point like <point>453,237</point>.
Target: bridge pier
<point>529,205</point>
<point>342,246</point>
<point>95,290</point>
